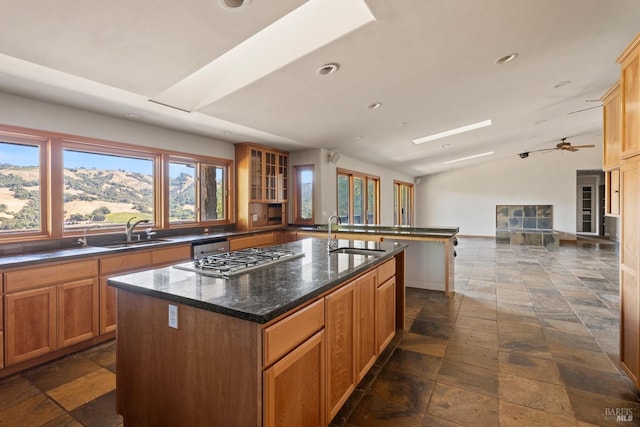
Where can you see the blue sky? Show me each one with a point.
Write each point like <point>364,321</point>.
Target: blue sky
<point>25,155</point>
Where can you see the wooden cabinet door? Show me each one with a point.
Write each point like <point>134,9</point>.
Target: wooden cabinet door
<point>630,92</point>
<point>385,313</point>
<point>256,175</point>
<point>366,349</point>
<point>612,127</point>
<point>629,270</point>
<point>77,311</point>
<point>303,372</point>
<point>30,326</point>
<point>340,330</point>
<point>107,315</point>
<point>283,177</point>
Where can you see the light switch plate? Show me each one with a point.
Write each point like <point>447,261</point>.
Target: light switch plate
<point>173,316</point>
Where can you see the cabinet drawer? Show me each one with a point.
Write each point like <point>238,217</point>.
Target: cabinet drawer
<point>171,255</point>
<point>242,243</point>
<point>50,274</point>
<point>264,239</point>
<point>291,331</point>
<point>386,270</point>
<point>129,262</point>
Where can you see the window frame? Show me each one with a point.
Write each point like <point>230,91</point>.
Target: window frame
<point>397,199</point>
<point>51,147</point>
<point>297,191</point>
<point>43,143</point>
<point>366,178</point>
<point>198,161</point>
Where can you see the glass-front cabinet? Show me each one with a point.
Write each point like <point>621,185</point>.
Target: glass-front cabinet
<point>262,179</point>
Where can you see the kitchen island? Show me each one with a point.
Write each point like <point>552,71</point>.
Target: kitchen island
<point>282,345</point>
<point>429,256</point>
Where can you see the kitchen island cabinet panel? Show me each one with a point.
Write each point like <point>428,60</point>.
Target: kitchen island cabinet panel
<point>302,370</point>
<point>366,349</point>
<point>340,330</point>
<point>198,374</point>
<point>385,313</point>
<point>30,324</point>
<point>77,311</point>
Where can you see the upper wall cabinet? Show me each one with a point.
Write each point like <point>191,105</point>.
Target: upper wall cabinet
<point>612,125</point>
<point>262,179</point>
<point>630,94</point>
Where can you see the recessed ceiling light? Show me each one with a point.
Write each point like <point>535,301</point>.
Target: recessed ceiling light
<point>450,132</point>
<point>234,4</point>
<point>131,115</point>
<point>445,145</point>
<point>562,83</point>
<point>374,105</point>
<point>403,123</point>
<point>327,69</point>
<point>475,156</point>
<point>226,132</point>
<point>507,58</point>
<point>540,121</point>
<point>358,138</point>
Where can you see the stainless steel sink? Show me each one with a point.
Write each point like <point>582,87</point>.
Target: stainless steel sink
<point>134,243</point>
<point>358,251</point>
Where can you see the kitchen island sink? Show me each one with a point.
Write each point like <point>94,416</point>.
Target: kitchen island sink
<point>358,251</point>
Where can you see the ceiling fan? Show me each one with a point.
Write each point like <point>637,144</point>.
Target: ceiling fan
<point>563,145</point>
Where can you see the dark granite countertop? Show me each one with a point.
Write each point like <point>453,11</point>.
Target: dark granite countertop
<point>402,230</point>
<point>264,294</point>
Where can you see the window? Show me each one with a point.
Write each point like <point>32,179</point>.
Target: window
<point>213,190</point>
<point>303,190</point>
<point>54,185</point>
<point>197,191</point>
<point>106,189</point>
<point>358,198</point>
<point>21,183</point>
<point>402,203</point>
<point>182,192</point>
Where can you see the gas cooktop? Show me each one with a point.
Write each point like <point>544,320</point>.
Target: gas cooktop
<point>234,263</point>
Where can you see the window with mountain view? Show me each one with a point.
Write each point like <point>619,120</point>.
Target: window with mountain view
<point>106,189</point>
<point>20,172</point>
<point>182,192</point>
<point>303,190</point>
<point>213,201</point>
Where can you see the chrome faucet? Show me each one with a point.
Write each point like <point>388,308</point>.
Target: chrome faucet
<point>83,240</point>
<point>129,227</point>
<point>330,241</point>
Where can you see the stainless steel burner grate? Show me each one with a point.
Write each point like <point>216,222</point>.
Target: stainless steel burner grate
<point>238,262</point>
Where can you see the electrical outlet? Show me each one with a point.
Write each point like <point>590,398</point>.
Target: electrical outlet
<point>173,316</point>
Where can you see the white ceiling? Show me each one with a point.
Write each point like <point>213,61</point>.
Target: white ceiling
<point>250,74</point>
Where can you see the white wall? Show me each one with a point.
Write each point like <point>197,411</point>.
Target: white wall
<point>29,113</point>
<point>467,197</point>
<point>325,183</point>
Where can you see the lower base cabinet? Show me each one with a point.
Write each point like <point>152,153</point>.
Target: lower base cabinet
<point>30,324</point>
<point>385,313</point>
<point>77,311</point>
<point>340,321</point>
<point>302,370</point>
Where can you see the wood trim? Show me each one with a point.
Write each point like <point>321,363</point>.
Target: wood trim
<point>628,51</point>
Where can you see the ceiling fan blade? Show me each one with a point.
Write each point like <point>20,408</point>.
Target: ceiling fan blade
<point>583,146</point>
<point>570,148</point>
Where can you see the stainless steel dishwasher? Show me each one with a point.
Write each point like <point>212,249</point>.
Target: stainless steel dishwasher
<point>210,247</point>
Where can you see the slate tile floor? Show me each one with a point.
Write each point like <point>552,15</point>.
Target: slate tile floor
<point>529,339</point>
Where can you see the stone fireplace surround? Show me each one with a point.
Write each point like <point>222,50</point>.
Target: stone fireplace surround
<point>526,225</point>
